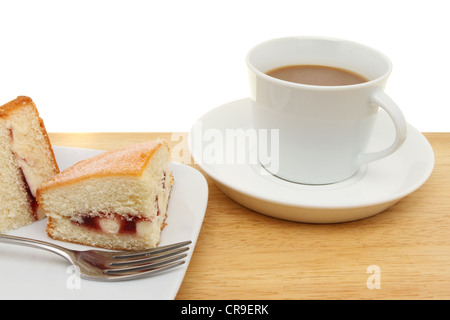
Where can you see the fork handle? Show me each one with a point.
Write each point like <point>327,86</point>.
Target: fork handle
<point>63,252</point>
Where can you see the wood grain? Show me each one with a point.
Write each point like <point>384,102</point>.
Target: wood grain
<point>241,254</point>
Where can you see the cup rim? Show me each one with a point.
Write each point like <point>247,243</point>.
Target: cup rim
<point>372,82</point>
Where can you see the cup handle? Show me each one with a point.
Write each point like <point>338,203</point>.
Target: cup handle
<point>385,102</point>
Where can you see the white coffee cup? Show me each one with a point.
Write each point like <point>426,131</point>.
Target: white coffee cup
<point>323,130</point>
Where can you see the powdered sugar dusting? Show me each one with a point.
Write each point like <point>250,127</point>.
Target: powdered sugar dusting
<point>129,160</point>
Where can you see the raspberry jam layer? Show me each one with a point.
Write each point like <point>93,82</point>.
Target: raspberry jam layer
<point>110,223</point>
<point>31,199</point>
<point>113,223</point>
<point>37,215</point>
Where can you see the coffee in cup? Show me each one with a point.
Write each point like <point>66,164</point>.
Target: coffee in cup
<point>317,75</point>
<point>323,95</point>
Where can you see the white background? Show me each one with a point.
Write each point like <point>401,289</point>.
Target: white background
<point>157,66</point>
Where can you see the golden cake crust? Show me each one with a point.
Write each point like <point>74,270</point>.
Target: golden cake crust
<point>21,101</point>
<point>129,160</point>
<point>9,108</point>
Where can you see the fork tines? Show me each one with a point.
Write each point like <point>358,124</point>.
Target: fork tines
<point>148,252</point>
<point>142,263</point>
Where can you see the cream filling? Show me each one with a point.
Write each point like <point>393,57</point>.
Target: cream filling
<point>28,159</point>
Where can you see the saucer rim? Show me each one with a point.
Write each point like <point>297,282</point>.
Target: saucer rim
<point>395,197</point>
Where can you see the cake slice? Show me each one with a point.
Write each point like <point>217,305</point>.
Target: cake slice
<point>26,161</point>
<point>116,200</point>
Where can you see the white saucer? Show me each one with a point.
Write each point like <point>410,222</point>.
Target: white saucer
<point>372,190</point>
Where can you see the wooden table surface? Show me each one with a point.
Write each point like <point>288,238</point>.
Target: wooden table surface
<point>241,254</point>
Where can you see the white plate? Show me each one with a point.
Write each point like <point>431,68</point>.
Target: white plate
<point>28,273</point>
<point>373,189</point>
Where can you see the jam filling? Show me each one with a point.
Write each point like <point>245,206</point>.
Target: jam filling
<point>163,180</point>
<point>31,200</point>
<point>157,206</point>
<point>127,226</point>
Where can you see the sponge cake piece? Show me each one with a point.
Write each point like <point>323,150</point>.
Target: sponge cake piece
<point>116,200</point>
<point>26,161</point>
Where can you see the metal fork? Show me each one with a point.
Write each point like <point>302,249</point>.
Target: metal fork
<point>101,265</point>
